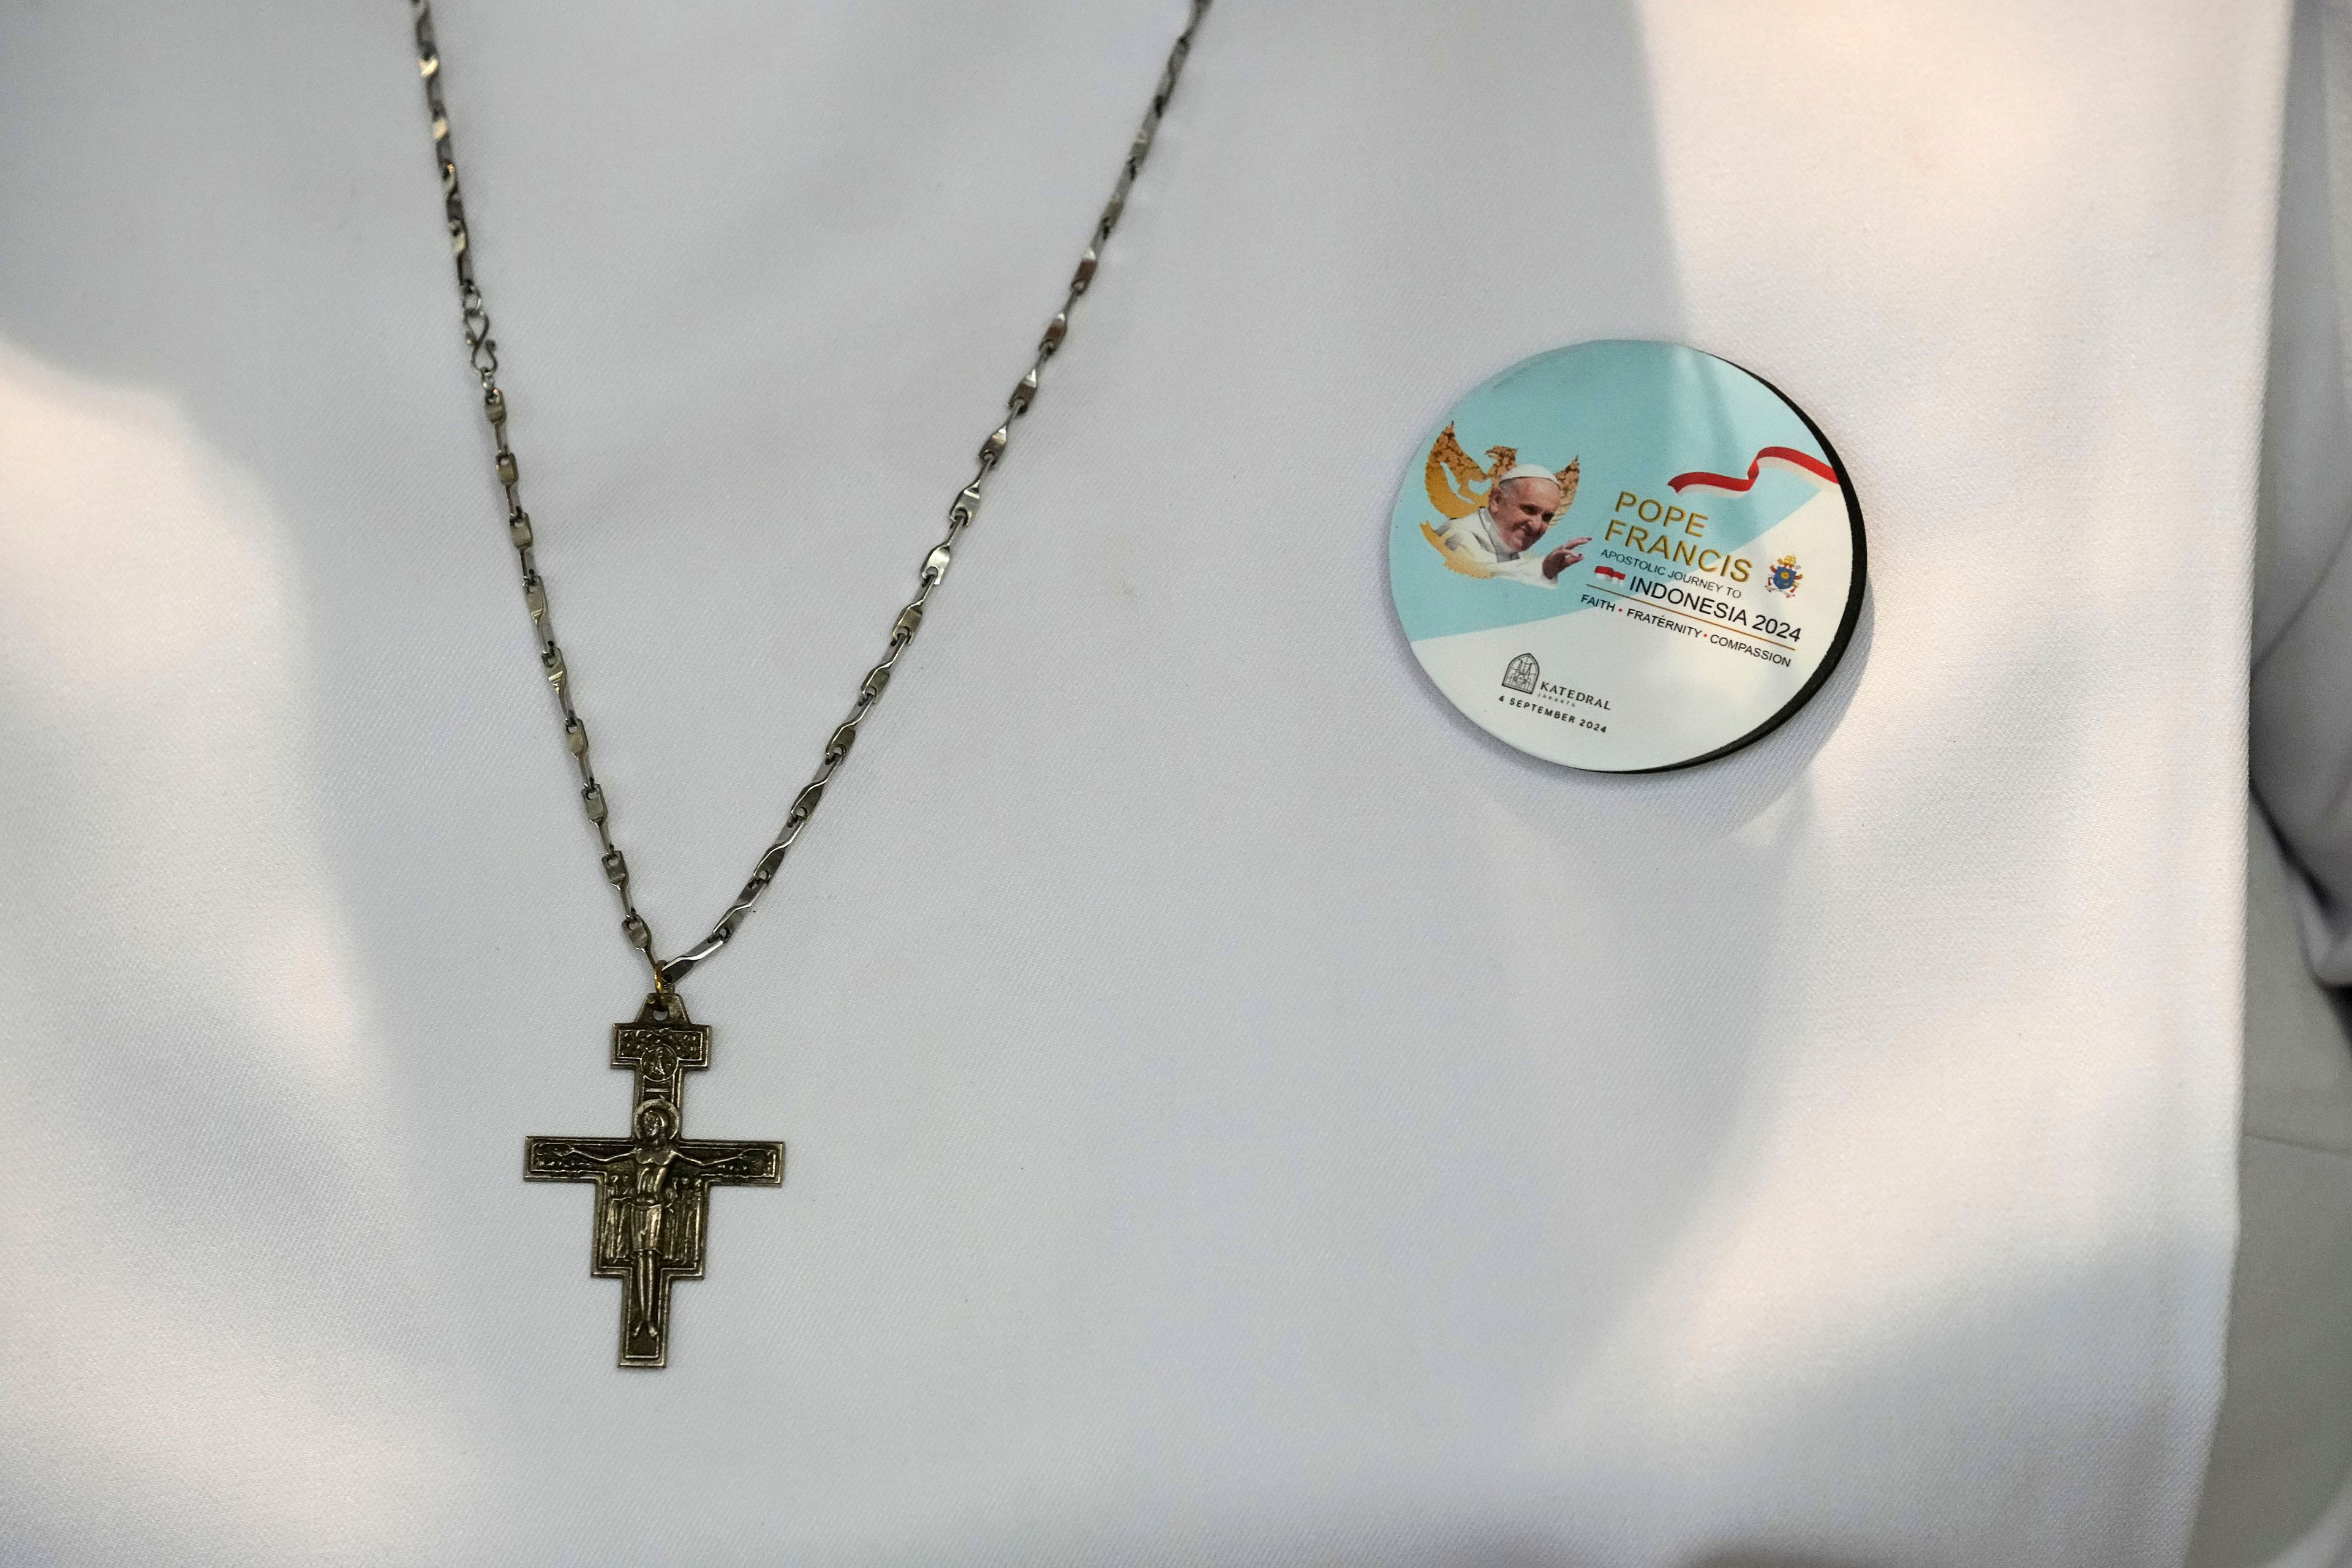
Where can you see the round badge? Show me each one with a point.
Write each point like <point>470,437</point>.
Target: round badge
<point>1653,559</point>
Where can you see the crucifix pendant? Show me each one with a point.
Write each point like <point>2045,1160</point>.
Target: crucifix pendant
<point>653,1188</point>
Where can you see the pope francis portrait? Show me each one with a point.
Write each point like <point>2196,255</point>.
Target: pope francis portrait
<point>1495,534</point>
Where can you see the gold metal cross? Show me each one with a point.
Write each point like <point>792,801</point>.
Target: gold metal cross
<point>653,1188</point>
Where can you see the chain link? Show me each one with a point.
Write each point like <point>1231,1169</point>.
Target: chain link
<point>482,354</point>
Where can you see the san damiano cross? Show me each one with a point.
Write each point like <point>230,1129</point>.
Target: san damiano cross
<point>653,1189</point>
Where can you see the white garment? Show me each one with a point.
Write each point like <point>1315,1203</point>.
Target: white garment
<point>2302,743</point>
<point>2278,1488</point>
<point>1480,546</point>
<point>1237,1113</point>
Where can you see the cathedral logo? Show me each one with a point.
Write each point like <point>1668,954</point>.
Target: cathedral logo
<point>1784,576</point>
<point>1520,674</point>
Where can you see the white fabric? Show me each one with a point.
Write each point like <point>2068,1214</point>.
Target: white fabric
<point>2282,1439</point>
<point>1237,1113</point>
<point>2302,741</point>
<point>2328,1542</point>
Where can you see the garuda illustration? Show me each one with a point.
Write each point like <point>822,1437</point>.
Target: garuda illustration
<point>1458,487</point>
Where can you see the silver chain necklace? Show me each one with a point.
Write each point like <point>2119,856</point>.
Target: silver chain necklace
<point>653,1187</point>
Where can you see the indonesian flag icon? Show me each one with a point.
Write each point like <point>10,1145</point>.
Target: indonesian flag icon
<point>1786,458</point>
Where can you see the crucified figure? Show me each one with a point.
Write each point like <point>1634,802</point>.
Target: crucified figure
<point>653,1186</point>
<point>641,1196</point>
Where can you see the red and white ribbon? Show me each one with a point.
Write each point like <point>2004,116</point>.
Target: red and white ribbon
<point>1779,457</point>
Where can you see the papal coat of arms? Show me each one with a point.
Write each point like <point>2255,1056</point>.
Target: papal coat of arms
<point>1784,576</point>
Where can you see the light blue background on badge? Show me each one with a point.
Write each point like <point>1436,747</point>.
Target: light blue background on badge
<point>1635,415</point>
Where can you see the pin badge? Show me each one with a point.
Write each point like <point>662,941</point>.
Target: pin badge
<point>1627,556</point>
